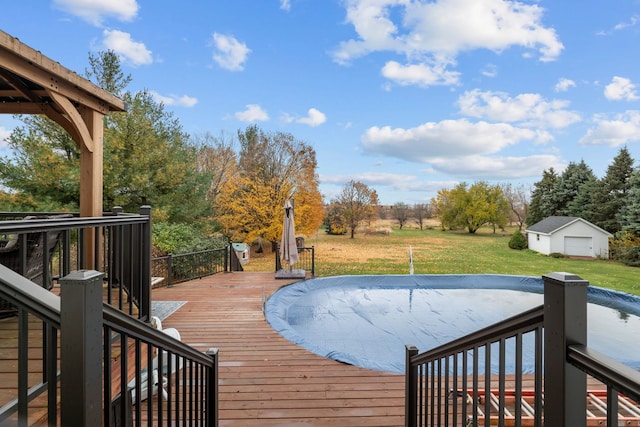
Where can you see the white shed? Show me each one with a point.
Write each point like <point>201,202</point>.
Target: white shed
<point>568,235</point>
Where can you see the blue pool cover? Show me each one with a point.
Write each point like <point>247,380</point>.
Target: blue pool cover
<point>367,320</point>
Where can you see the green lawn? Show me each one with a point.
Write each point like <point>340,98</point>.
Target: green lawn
<point>447,252</point>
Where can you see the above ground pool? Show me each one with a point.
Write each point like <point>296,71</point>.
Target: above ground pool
<point>367,320</point>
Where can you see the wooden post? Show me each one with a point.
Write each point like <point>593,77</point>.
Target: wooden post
<point>91,166</point>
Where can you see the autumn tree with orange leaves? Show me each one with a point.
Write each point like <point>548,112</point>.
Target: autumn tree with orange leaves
<point>270,168</point>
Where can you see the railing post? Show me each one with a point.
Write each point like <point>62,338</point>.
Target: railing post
<point>169,270</point>
<point>81,348</point>
<point>277,253</point>
<point>145,303</point>
<point>411,388</point>
<point>212,390</point>
<point>565,323</point>
<point>313,261</point>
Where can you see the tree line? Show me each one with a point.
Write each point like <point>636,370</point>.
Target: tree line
<point>197,185</point>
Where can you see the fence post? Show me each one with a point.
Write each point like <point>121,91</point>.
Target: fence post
<point>81,348</point>
<point>411,388</point>
<point>313,261</point>
<point>565,323</point>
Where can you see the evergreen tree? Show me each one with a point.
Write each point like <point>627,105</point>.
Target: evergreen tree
<point>610,196</point>
<point>568,186</point>
<point>540,205</point>
<point>584,204</point>
<point>630,213</point>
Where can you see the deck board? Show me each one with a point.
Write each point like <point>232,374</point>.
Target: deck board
<point>266,380</point>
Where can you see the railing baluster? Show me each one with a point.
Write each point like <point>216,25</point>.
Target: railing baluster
<point>487,384</point>
<point>23,366</point>
<point>501,381</point>
<point>538,385</point>
<point>612,406</point>
<point>446,391</point>
<point>465,387</point>
<point>51,372</point>
<point>518,381</point>
<point>476,397</point>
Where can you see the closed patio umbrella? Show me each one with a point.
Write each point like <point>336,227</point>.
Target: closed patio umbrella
<point>288,247</point>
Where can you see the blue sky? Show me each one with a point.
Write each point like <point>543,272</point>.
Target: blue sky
<point>407,96</point>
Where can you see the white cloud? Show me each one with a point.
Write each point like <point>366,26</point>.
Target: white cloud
<point>621,89</point>
<point>614,132</point>
<point>490,70</point>
<point>436,32</point>
<point>4,137</point>
<point>230,54</point>
<point>314,118</point>
<point>419,74</point>
<point>285,5</point>
<point>632,22</point>
<point>496,168</point>
<point>447,139</point>
<point>253,113</point>
<point>179,101</point>
<point>527,109</point>
<point>564,84</point>
<point>132,52</point>
<point>96,11</point>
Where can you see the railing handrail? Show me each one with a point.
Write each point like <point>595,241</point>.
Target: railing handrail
<point>47,224</point>
<point>120,321</point>
<point>522,322</point>
<point>22,292</point>
<point>605,369</point>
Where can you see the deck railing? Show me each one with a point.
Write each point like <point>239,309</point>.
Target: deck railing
<point>172,269</point>
<point>117,243</point>
<point>306,260</point>
<point>98,365</point>
<point>482,380</point>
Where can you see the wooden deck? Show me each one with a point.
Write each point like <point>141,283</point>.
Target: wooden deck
<point>266,380</point>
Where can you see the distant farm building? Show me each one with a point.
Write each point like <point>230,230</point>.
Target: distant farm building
<point>568,235</point>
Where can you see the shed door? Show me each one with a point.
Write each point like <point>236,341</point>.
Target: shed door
<point>578,246</point>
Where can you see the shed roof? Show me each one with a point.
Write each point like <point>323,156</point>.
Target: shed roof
<point>554,223</point>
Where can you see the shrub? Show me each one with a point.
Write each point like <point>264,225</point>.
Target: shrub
<point>179,238</point>
<point>518,241</point>
<point>625,247</point>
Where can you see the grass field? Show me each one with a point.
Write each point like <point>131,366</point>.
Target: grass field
<point>447,252</point>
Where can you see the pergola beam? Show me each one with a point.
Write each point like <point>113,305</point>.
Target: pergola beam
<point>31,83</point>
